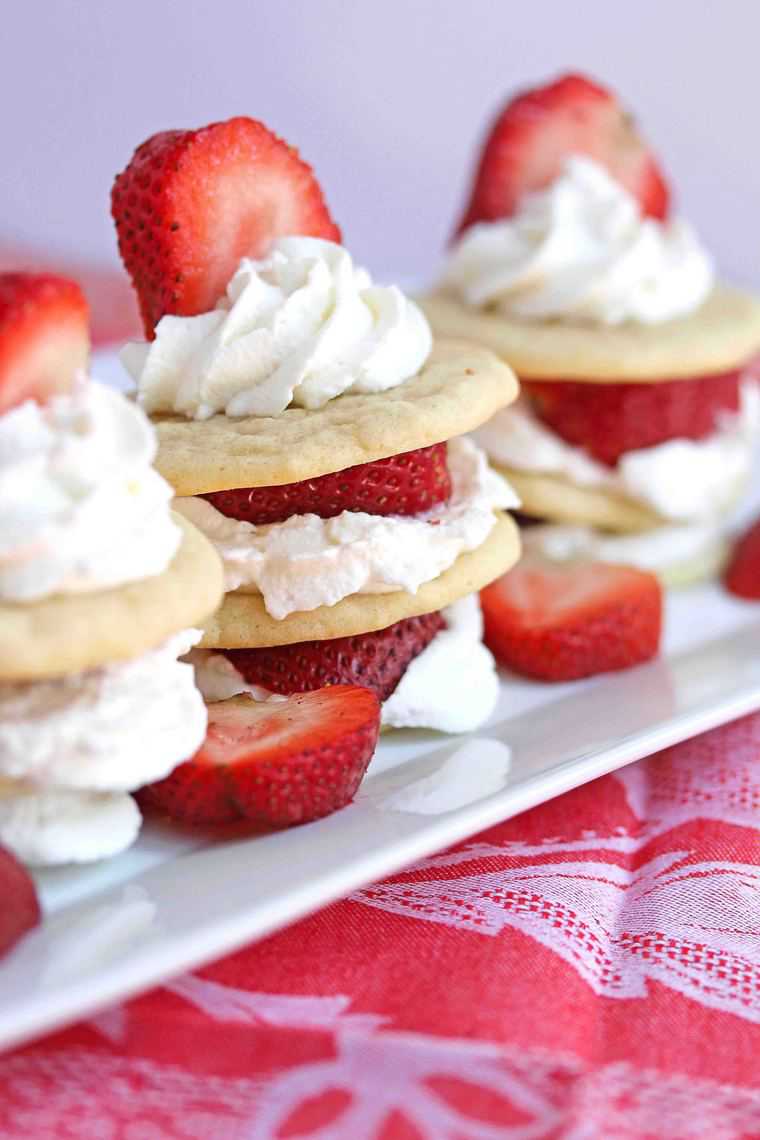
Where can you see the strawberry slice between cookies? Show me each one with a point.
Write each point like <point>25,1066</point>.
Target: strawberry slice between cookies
<point>608,420</point>
<point>376,660</point>
<point>44,337</point>
<point>19,906</point>
<point>564,621</point>
<point>406,484</point>
<point>277,762</point>
<point>191,204</point>
<point>538,130</point>
<point>742,576</point>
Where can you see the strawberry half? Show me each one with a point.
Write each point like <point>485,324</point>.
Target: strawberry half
<point>376,660</point>
<point>743,574</point>
<point>561,622</point>
<point>275,762</point>
<point>534,134</point>
<point>20,908</point>
<point>192,203</point>
<point>609,419</point>
<point>44,336</point>
<point>406,484</point>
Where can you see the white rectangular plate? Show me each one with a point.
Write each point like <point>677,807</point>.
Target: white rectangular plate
<point>179,899</point>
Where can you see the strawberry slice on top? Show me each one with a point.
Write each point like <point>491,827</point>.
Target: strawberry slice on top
<point>191,204</point>
<point>406,484</point>
<point>277,762</point>
<point>539,129</point>
<point>563,621</point>
<point>44,336</point>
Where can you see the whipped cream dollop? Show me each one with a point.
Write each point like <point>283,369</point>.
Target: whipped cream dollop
<point>81,507</point>
<point>661,550</point>
<point>46,828</point>
<point>301,326</point>
<point>582,250</point>
<point>307,561</point>
<point>451,686</point>
<point>682,479</point>
<point>109,729</point>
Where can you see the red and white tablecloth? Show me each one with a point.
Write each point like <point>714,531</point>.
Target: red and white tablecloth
<point>590,969</point>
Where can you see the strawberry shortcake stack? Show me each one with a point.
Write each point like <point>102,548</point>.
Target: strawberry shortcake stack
<point>312,431</point>
<point>101,590</point>
<point>639,411</point>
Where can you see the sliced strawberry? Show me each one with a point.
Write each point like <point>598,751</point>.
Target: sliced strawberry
<point>19,906</point>
<point>275,762</point>
<point>406,484</point>
<point>376,660</point>
<point>192,203</point>
<point>44,337</point>
<point>536,131</point>
<point>743,574</point>
<point>609,419</point>
<point>560,622</point>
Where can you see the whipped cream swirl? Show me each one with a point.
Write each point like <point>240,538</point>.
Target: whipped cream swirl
<point>684,480</point>
<point>301,326</point>
<point>582,250</point>
<point>81,507</point>
<point>307,561</point>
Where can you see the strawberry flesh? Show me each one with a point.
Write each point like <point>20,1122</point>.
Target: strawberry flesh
<point>610,419</point>
<point>538,130</point>
<point>20,908</point>
<point>406,484</point>
<point>276,763</point>
<point>44,337</point>
<point>561,622</point>
<point>191,204</point>
<point>743,574</point>
<point>376,660</point>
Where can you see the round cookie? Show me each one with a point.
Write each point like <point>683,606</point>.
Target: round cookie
<point>722,335</point>
<point>242,622</point>
<point>74,632</point>
<point>458,389</point>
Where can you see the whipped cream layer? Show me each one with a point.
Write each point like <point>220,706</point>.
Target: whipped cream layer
<point>301,326</point>
<point>660,550</point>
<point>682,479</point>
<point>109,729</point>
<point>307,561</point>
<point>51,827</point>
<point>452,686</point>
<point>81,507</point>
<point>581,250</point>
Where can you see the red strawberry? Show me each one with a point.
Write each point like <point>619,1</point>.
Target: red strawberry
<point>275,762</point>
<point>376,660</point>
<point>539,129</point>
<point>610,419</point>
<point>405,484</point>
<point>19,908</point>
<point>192,203</point>
<point>559,622</point>
<point>743,574</point>
<point>44,337</point>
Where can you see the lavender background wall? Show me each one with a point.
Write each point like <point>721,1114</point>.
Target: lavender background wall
<point>385,97</point>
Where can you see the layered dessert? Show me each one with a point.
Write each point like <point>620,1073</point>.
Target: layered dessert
<point>634,433</point>
<point>101,592</point>
<point>313,431</point>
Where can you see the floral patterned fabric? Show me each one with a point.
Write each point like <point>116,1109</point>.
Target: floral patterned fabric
<point>588,969</point>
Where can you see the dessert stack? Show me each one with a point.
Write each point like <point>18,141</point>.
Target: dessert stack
<point>313,432</point>
<point>101,589</point>
<point>639,410</point>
